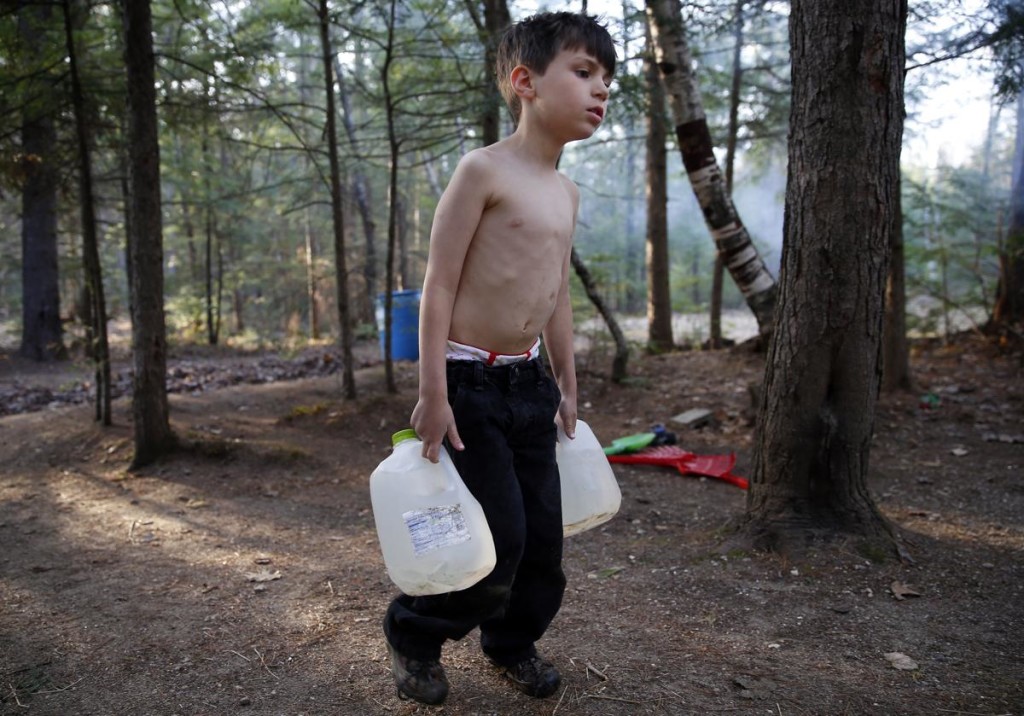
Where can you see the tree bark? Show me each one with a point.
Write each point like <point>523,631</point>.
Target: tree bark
<point>496,18</point>
<point>311,253</point>
<point>42,337</point>
<point>823,366</point>
<point>337,211</point>
<point>635,287</point>
<point>209,227</point>
<point>361,194</point>
<point>659,292</point>
<point>732,136</point>
<point>394,146</point>
<point>100,350</point>
<point>730,235</point>
<point>153,436</point>
<point>1009,304</point>
<point>896,349</point>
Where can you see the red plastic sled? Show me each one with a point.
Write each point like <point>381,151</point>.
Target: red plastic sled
<point>688,463</point>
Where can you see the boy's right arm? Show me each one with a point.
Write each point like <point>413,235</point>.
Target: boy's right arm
<point>455,223</point>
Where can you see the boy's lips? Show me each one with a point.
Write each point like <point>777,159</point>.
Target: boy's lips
<point>598,111</point>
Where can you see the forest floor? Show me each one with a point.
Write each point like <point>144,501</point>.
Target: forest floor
<point>243,576</point>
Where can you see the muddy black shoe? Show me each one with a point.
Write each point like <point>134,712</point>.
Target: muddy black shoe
<point>421,680</point>
<point>536,677</point>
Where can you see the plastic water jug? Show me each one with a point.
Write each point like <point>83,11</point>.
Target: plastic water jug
<point>590,494</point>
<point>432,531</point>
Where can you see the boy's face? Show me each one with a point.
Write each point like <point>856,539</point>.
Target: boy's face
<point>572,94</point>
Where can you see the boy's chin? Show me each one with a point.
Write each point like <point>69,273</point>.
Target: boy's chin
<point>584,135</point>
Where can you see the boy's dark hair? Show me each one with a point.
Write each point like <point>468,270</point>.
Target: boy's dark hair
<point>534,42</point>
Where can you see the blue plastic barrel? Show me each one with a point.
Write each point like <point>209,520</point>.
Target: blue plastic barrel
<point>405,323</point>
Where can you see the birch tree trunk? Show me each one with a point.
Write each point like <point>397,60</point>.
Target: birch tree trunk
<point>824,366</point>
<point>153,436</point>
<point>731,238</point>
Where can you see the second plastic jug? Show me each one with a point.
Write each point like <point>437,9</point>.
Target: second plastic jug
<point>432,531</point>
<point>590,494</point>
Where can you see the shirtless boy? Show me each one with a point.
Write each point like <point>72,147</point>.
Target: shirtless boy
<point>496,283</point>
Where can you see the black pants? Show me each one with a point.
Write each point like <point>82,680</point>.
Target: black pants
<point>505,416</point>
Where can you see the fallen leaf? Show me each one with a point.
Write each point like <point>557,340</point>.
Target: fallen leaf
<point>958,452</point>
<point>263,575</point>
<point>902,591</point>
<point>605,573</point>
<point>901,661</point>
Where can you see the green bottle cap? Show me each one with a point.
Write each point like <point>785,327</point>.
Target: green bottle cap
<point>402,435</point>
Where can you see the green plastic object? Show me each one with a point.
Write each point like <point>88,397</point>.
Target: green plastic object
<point>629,443</point>
<point>402,435</point>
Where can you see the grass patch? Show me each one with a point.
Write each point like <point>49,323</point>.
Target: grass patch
<point>209,447</point>
<point>304,411</point>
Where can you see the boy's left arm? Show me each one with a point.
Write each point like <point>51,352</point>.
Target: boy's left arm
<point>558,336</point>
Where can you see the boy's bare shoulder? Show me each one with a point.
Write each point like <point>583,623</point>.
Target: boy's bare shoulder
<point>481,160</point>
<point>570,186</point>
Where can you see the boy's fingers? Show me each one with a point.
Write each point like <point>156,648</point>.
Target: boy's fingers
<point>432,451</point>
<point>569,426</point>
<point>453,437</point>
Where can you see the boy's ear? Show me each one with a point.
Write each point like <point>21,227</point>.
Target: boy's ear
<point>522,82</point>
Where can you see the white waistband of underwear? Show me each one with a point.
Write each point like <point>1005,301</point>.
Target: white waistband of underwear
<point>461,351</point>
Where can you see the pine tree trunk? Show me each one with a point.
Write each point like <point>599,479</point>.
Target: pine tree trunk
<point>715,340</point>
<point>732,135</point>
<point>824,367</point>
<point>153,436</point>
<point>404,279</point>
<point>496,19</point>
<point>393,147</point>
<point>659,292</point>
<point>209,220</point>
<point>337,212</point>
<point>99,350</point>
<point>311,278</point>
<point>635,260</point>
<point>361,194</point>
<point>896,349</point>
<point>42,337</point>
<point>1009,305</point>
<point>730,235</point>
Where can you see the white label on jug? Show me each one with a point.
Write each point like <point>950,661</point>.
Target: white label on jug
<point>436,527</point>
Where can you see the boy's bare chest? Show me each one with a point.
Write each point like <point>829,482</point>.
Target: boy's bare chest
<point>542,211</point>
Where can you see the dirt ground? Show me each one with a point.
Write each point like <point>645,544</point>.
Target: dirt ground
<point>242,576</point>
